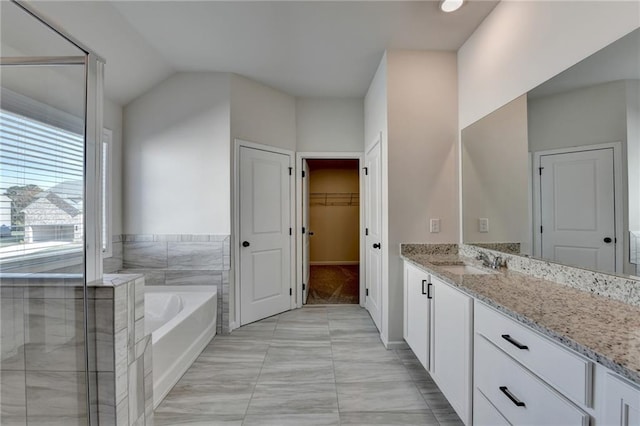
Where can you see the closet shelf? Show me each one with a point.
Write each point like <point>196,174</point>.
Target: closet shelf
<point>334,199</point>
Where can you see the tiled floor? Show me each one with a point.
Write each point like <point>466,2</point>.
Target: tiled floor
<point>320,365</point>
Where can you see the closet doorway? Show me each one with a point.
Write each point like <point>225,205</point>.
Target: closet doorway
<point>330,217</point>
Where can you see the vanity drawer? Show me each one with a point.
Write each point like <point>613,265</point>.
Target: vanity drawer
<point>570,373</point>
<point>484,413</point>
<point>519,396</point>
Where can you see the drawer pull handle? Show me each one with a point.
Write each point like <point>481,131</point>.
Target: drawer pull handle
<point>514,342</point>
<point>423,283</point>
<point>513,399</point>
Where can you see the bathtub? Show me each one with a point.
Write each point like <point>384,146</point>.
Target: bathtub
<point>182,321</point>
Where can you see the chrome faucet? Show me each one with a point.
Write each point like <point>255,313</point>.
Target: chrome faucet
<point>487,262</point>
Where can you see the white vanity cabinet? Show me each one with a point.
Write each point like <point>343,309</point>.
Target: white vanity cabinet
<point>417,312</point>
<point>439,329</point>
<point>452,329</point>
<point>524,376</point>
<point>495,370</point>
<point>620,403</point>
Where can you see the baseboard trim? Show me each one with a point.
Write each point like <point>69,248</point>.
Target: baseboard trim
<point>335,262</point>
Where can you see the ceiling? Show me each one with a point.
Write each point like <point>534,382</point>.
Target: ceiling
<point>304,48</point>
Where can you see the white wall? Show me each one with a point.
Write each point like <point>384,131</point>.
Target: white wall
<point>422,159</point>
<point>176,157</point>
<point>329,124</point>
<point>523,43</point>
<point>261,114</point>
<point>495,177</point>
<point>585,116</point>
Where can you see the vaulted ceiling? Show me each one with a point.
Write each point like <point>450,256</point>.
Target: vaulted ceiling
<point>304,48</point>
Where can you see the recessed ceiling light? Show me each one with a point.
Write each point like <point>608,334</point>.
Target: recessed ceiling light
<point>450,5</point>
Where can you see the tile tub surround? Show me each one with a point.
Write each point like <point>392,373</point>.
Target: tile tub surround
<point>182,259</point>
<point>600,328</point>
<point>320,365</point>
<point>113,264</point>
<point>130,386</point>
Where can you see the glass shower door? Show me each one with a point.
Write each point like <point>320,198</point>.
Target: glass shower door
<point>45,374</point>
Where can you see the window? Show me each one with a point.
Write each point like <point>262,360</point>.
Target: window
<point>42,187</point>
<point>105,172</point>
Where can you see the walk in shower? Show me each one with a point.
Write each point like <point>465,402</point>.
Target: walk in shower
<point>50,207</point>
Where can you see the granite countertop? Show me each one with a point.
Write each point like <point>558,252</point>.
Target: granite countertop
<point>604,330</point>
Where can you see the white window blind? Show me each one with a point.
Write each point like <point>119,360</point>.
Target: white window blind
<point>41,187</point>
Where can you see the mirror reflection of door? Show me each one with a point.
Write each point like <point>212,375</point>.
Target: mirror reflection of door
<point>577,205</point>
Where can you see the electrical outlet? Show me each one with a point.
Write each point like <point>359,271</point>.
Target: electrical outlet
<point>435,226</point>
<point>483,224</point>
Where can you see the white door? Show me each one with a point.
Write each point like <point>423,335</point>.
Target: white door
<point>373,233</point>
<point>577,204</point>
<point>265,220</point>
<point>306,268</point>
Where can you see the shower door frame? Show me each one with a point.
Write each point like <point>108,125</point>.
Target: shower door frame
<point>92,199</point>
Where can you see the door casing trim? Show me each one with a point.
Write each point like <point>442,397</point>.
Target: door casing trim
<point>326,156</point>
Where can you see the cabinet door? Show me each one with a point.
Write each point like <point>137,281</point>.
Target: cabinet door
<point>416,320</point>
<point>452,338</point>
<point>621,403</point>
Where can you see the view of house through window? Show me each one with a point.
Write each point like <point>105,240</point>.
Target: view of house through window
<point>41,189</point>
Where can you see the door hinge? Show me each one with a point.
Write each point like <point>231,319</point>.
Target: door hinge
<point>541,229</point>
<point>290,171</point>
<point>366,171</point>
<point>290,292</point>
<point>366,231</point>
<point>540,170</point>
<point>304,286</point>
<point>366,292</point>
<point>304,229</point>
<point>290,231</point>
<point>304,174</point>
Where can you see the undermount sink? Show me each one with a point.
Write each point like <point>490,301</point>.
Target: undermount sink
<point>462,269</point>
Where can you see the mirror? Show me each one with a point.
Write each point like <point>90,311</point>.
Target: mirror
<point>555,174</point>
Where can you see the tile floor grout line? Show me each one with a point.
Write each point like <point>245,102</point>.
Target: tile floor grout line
<point>255,385</point>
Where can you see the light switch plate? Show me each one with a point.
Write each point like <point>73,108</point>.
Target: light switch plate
<point>483,224</point>
<point>435,226</point>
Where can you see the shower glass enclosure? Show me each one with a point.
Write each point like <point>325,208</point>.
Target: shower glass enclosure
<point>50,119</point>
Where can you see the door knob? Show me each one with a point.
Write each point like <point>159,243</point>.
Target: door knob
<point>245,244</point>
<point>607,240</point>
<point>376,245</point>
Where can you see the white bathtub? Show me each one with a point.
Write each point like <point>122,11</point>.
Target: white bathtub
<point>182,321</point>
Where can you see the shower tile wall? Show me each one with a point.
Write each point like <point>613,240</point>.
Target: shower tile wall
<point>42,356</point>
<point>181,259</point>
